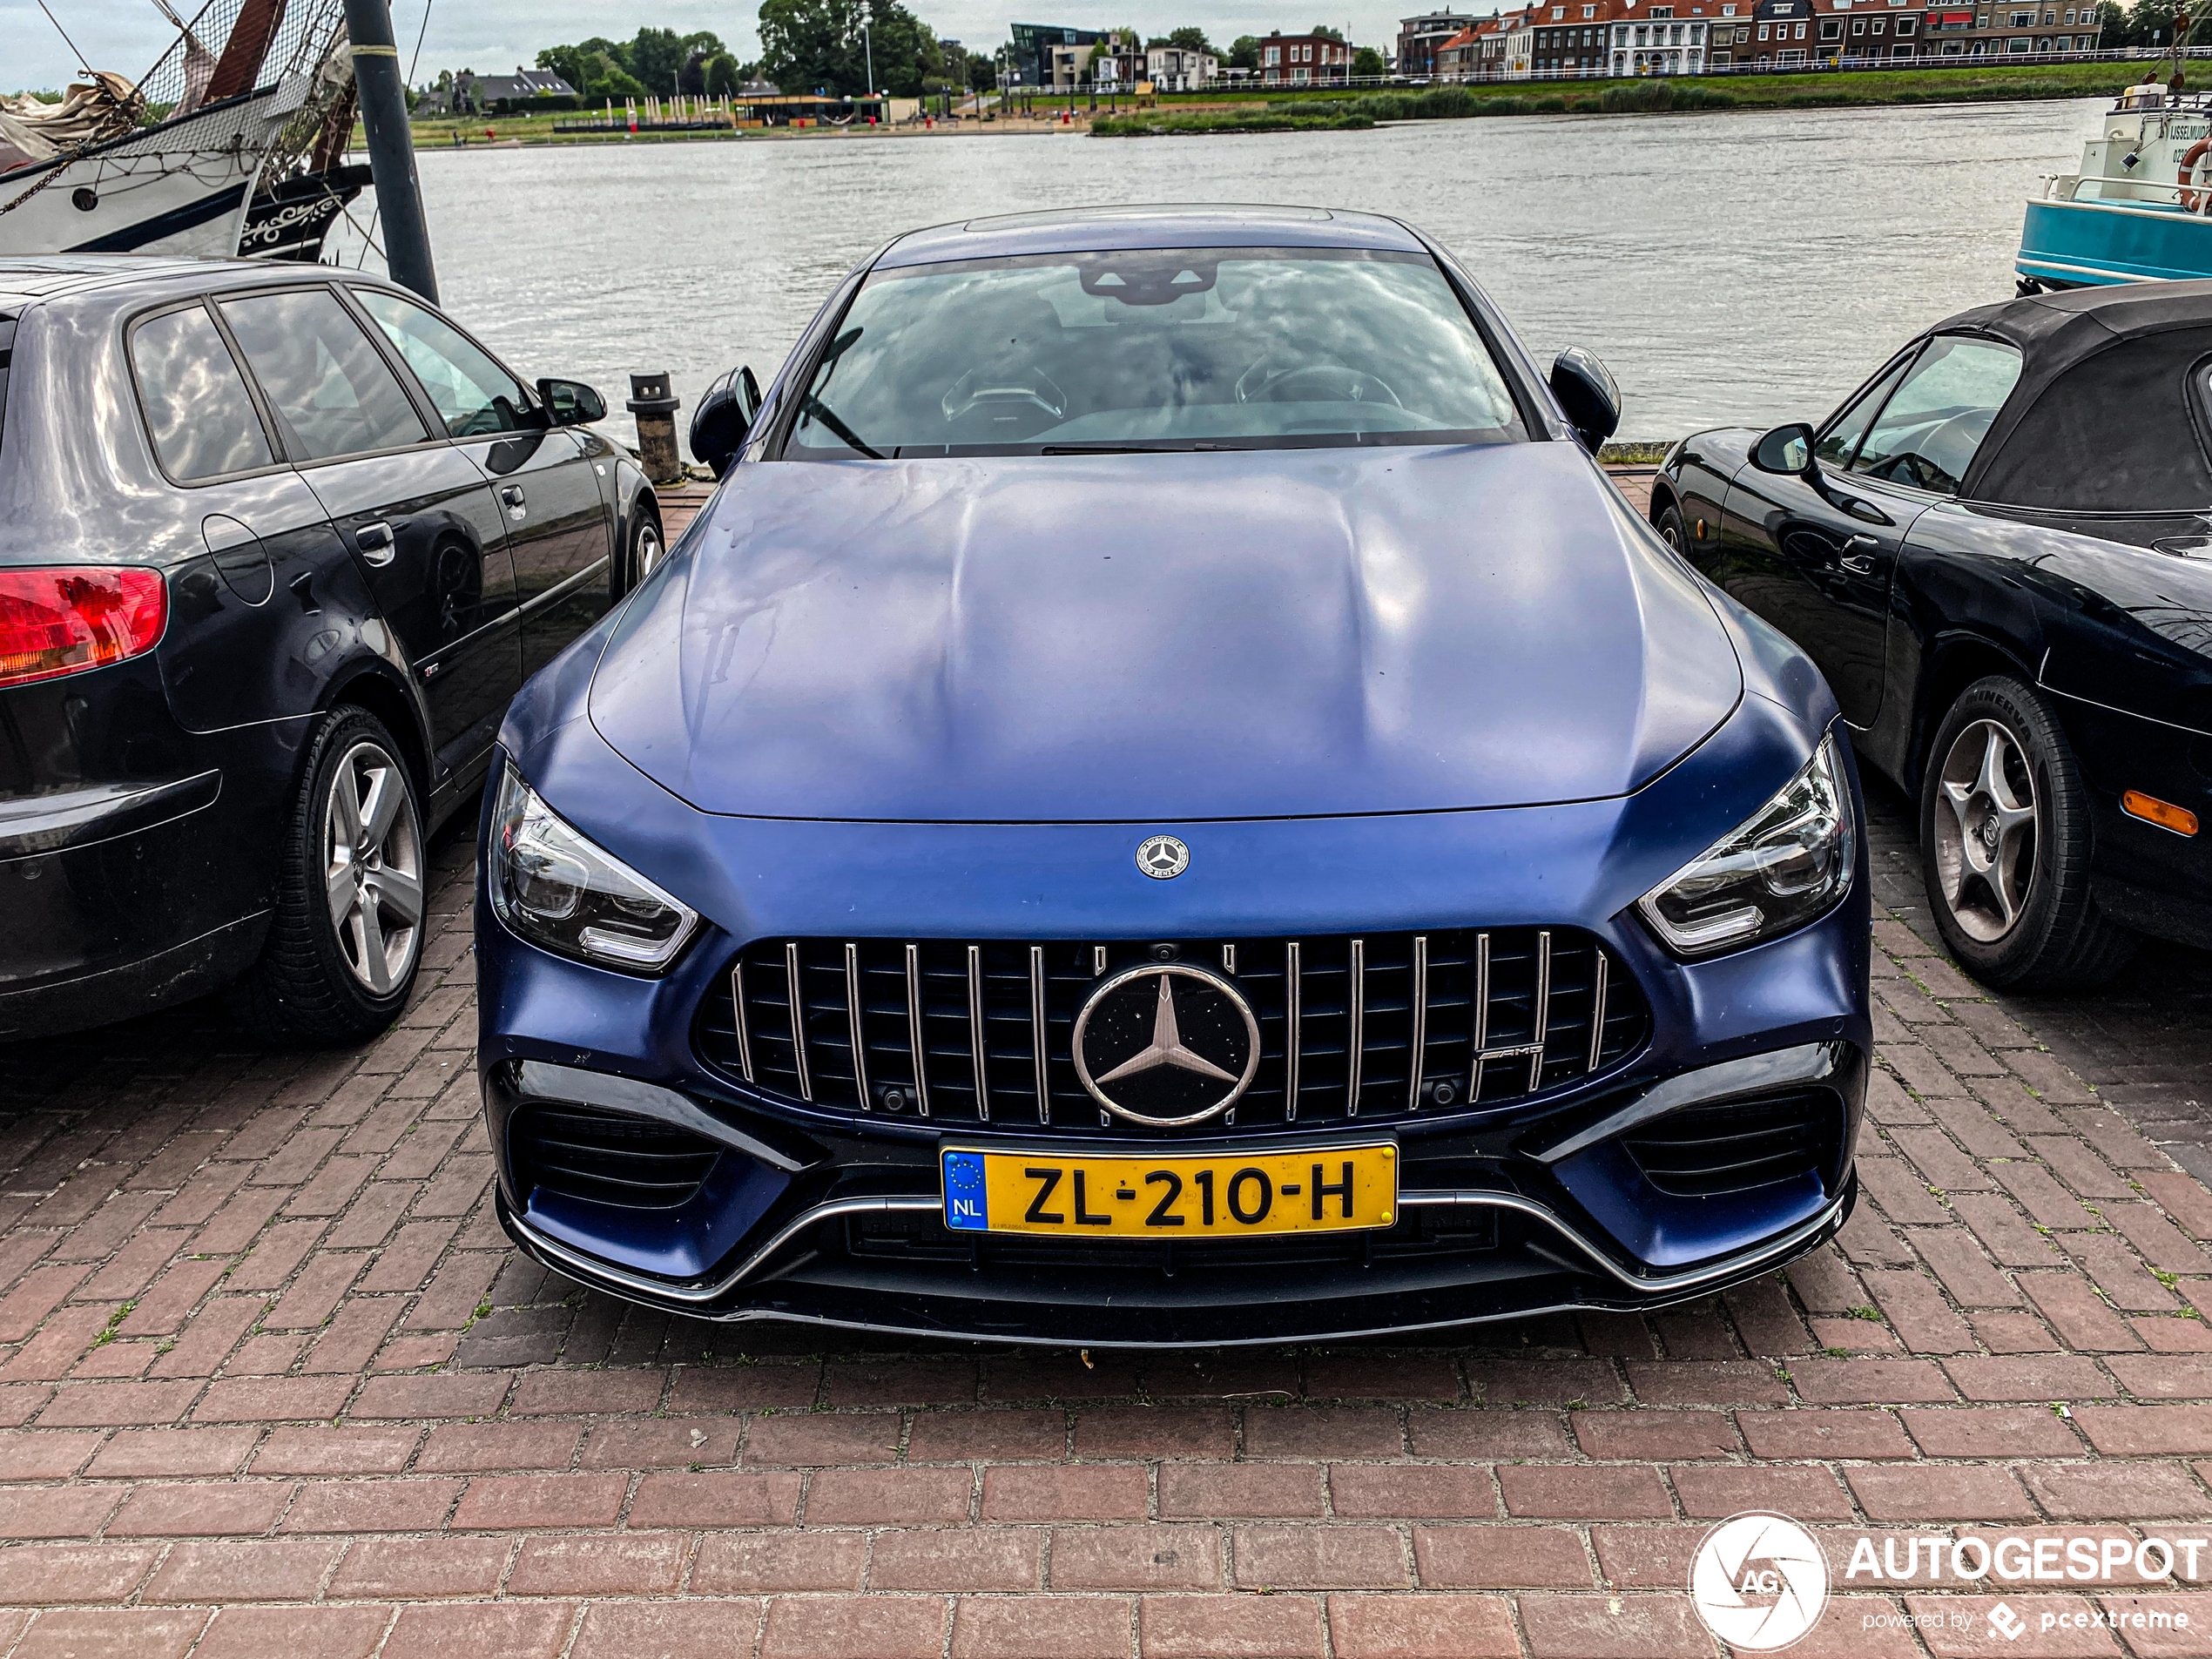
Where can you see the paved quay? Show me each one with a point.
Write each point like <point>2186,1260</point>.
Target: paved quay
<point>271,1379</point>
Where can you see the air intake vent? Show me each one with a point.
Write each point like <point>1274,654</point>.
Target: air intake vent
<point>608,1157</point>
<point>1709,1151</point>
<point>1368,1027</point>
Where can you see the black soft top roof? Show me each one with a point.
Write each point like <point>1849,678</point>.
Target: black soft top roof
<point>2101,420</point>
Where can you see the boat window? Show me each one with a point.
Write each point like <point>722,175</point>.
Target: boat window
<point>198,409</point>
<point>1840,442</point>
<point>1927,432</point>
<point>472,394</point>
<point>330,390</point>
<point>1175,349</point>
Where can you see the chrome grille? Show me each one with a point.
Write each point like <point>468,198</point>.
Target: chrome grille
<point>1381,1024</point>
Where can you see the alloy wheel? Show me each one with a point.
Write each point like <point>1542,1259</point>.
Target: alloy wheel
<point>1986,842</point>
<point>649,549</point>
<point>373,868</point>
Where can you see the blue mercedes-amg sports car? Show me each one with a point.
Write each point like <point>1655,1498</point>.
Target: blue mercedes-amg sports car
<point>1167,800</point>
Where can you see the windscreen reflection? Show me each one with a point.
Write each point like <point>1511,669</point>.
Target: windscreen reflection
<point>1174,349</point>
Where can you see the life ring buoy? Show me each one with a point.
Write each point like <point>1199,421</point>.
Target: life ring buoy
<point>2193,201</point>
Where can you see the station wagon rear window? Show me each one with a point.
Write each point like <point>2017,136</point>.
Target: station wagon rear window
<point>201,418</point>
<point>1173,349</point>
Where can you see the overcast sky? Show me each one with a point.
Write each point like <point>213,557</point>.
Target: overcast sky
<point>492,36</point>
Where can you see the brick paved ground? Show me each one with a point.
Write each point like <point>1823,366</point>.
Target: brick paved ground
<point>2145,1042</point>
<point>271,1378</point>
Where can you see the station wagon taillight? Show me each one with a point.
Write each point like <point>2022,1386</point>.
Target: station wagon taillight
<point>64,620</point>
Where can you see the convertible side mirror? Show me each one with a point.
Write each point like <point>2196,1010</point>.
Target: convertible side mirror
<point>1787,451</point>
<point>571,402</point>
<point>1586,391</point>
<point>723,418</point>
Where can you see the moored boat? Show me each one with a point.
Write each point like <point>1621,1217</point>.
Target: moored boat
<point>2139,209</point>
<point>221,149</point>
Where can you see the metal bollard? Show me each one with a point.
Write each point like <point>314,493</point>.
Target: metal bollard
<point>656,412</point>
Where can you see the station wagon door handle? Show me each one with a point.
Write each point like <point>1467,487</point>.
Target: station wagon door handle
<point>1859,555</point>
<point>375,543</point>
<point>512,494</point>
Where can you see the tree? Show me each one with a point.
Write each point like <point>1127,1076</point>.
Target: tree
<point>597,67</point>
<point>2150,22</point>
<point>819,44</point>
<point>1367,64</point>
<point>1325,32</point>
<point>1192,40</point>
<point>982,74</point>
<point>722,75</point>
<point>1243,52</point>
<point>657,57</point>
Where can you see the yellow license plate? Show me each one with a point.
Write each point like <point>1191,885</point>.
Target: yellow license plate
<point>1341,1189</point>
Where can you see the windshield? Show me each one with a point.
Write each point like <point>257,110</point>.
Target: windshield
<point>1195,349</point>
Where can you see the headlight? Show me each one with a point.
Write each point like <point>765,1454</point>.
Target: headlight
<point>1787,864</point>
<point>555,889</point>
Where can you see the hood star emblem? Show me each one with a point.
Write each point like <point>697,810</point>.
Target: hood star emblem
<point>1167,1048</point>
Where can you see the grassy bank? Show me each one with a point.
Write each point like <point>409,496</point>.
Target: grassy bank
<point>1250,112</point>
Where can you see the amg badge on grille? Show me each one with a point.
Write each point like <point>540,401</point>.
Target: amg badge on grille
<point>1166,1044</point>
<point>1162,857</point>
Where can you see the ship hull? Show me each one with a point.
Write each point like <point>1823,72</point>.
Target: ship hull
<point>2094,244</point>
<point>180,188</point>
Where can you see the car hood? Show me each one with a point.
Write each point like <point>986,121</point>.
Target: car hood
<point>1164,638</point>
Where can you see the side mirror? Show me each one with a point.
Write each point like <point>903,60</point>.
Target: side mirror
<point>1787,451</point>
<point>1586,391</point>
<point>723,418</point>
<point>571,402</point>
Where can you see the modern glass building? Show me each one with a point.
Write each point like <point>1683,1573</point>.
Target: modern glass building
<point>1030,59</point>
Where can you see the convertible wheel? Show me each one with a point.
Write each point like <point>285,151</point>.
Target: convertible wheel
<point>646,550</point>
<point>1673,531</point>
<point>347,938</point>
<point>2005,838</point>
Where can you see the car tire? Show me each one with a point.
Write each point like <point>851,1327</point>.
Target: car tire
<point>2004,843</point>
<point>346,941</point>
<point>1672,530</point>
<point>644,548</point>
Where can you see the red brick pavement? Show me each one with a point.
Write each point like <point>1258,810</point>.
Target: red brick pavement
<point>270,1377</point>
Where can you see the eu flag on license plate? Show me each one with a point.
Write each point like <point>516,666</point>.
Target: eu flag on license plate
<point>966,1207</point>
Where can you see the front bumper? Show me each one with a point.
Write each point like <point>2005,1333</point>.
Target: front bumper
<point>822,1213</point>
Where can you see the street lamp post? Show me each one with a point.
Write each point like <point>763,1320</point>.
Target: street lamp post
<point>867,45</point>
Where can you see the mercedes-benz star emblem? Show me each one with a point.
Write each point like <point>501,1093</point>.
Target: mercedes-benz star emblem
<point>1166,1044</point>
<point>1162,857</point>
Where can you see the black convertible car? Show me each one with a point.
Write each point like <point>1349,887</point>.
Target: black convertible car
<point>1999,551</point>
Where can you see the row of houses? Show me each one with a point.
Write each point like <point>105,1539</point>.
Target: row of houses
<point>1053,57</point>
<point>1628,37</point>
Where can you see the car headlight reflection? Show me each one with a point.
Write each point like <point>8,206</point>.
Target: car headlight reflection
<point>1787,864</point>
<point>556,889</point>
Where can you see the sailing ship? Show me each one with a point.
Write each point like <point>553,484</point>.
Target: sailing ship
<point>233,143</point>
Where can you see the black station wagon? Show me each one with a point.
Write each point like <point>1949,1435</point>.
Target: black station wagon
<point>276,545</point>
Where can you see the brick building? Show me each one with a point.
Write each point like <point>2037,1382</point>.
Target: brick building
<point>1304,60</point>
<point>1421,38</point>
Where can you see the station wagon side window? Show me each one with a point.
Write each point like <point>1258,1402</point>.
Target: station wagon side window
<point>198,410</point>
<point>1840,442</point>
<point>473,396</point>
<point>330,390</point>
<point>1927,434</point>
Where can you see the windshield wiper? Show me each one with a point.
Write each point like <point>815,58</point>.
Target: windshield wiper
<point>1138,448</point>
<point>822,412</point>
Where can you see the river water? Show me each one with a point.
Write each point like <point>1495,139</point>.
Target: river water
<point>1728,266</point>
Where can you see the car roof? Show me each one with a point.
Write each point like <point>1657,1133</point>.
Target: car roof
<point>2055,331</point>
<point>30,279</point>
<point>1164,225</point>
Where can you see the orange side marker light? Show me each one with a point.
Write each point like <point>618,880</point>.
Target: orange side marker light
<point>2163,813</point>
